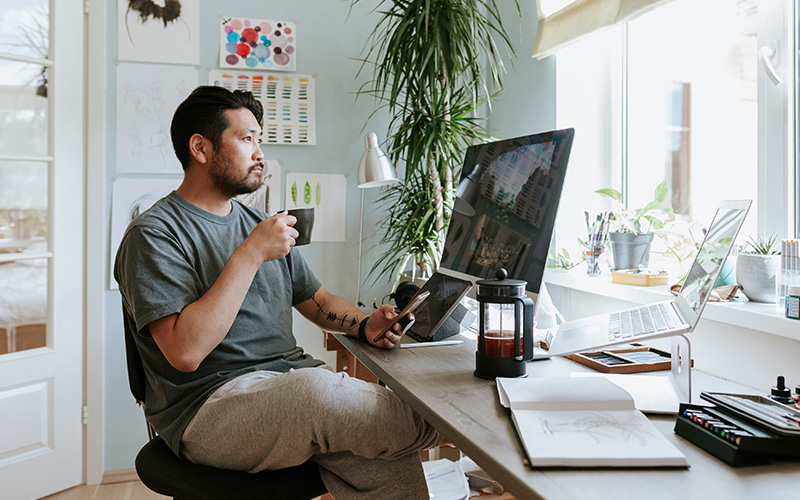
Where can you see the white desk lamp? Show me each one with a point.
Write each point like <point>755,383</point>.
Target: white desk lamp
<point>467,192</point>
<point>374,170</point>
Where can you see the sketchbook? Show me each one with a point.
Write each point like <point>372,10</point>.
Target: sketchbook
<point>583,422</point>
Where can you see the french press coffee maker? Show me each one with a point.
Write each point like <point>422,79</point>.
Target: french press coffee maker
<point>505,328</point>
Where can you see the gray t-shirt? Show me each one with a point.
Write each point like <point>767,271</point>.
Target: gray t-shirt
<point>168,258</point>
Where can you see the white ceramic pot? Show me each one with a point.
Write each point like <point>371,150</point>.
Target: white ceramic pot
<point>756,273</point>
<point>630,251</point>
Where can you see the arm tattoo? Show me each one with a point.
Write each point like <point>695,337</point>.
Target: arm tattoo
<point>333,318</point>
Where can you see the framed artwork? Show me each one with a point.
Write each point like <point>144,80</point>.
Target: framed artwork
<point>257,44</point>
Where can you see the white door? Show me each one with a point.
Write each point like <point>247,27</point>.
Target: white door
<point>41,246</point>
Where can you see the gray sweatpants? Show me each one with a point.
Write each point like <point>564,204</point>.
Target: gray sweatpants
<point>363,437</point>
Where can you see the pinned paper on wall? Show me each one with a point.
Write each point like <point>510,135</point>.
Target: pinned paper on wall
<point>163,32</point>
<point>288,100</point>
<point>129,198</point>
<point>268,196</point>
<point>257,44</point>
<point>327,193</point>
<point>147,96</point>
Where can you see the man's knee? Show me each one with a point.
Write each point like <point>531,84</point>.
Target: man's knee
<point>337,393</point>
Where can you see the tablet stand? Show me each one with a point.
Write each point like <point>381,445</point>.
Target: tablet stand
<point>457,321</point>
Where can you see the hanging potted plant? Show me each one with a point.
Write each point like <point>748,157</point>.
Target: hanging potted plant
<point>432,62</point>
<point>757,269</point>
<point>633,229</point>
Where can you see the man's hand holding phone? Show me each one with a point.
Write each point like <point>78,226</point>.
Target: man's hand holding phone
<point>404,319</point>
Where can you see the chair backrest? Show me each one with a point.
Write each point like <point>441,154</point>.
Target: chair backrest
<point>164,472</point>
<point>136,378</point>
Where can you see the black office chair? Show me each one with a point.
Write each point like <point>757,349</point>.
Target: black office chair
<point>164,472</point>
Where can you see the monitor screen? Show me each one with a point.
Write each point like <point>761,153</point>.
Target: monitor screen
<point>505,207</point>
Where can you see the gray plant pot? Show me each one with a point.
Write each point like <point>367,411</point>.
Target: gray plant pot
<point>756,274</point>
<point>630,250</point>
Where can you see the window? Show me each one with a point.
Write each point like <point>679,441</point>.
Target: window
<point>24,178</point>
<point>680,94</point>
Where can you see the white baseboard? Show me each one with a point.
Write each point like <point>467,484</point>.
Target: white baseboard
<point>120,476</point>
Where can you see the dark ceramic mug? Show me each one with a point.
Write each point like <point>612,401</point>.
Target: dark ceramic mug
<point>304,225</point>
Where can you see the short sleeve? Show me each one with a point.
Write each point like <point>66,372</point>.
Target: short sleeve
<point>155,275</point>
<point>304,283</point>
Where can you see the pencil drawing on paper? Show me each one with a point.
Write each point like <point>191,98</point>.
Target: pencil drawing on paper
<point>146,97</point>
<point>600,426</point>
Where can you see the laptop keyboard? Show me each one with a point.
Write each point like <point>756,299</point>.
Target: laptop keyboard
<point>639,321</point>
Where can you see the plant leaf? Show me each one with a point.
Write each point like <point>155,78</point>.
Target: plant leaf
<point>661,192</point>
<point>611,193</point>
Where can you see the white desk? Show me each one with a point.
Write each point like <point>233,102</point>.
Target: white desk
<point>438,383</point>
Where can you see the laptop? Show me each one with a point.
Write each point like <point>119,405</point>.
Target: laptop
<point>661,319</point>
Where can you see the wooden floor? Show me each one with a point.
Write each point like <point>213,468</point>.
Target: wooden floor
<point>135,490</point>
<point>131,490</point>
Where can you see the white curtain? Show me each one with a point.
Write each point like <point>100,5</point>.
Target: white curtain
<point>582,17</point>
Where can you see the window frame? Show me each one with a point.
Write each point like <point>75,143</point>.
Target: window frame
<point>778,168</point>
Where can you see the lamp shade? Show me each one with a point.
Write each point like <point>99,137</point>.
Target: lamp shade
<point>375,169</point>
<point>467,192</point>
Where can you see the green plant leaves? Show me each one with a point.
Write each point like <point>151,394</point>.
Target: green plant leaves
<point>611,193</point>
<point>432,63</point>
<point>763,245</point>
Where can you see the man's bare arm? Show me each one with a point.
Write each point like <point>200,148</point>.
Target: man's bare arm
<point>334,314</point>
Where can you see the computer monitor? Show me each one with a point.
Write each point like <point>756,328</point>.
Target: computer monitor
<point>505,208</point>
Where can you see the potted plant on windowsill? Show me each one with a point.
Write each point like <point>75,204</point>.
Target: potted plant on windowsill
<point>633,229</point>
<point>757,269</point>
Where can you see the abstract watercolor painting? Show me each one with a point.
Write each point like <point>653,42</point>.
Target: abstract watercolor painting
<point>257,44</point>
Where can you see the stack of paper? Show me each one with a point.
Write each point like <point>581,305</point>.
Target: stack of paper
<point>446,480</point>
<point>583,422</point>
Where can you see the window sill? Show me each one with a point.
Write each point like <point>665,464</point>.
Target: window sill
<point>766,318</point>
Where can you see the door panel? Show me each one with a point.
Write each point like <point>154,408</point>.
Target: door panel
<point>41,246</point>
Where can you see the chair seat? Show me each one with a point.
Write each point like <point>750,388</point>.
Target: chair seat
<point>165,473</point>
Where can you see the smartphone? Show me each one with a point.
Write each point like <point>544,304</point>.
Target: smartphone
<point>412,304</point>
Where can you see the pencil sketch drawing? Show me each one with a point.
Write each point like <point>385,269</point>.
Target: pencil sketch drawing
<point>147,95</point>
<point>600,426</point>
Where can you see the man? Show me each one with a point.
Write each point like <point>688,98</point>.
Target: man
<point>207,288</point>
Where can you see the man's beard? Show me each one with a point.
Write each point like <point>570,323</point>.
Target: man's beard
<point>229,186</point>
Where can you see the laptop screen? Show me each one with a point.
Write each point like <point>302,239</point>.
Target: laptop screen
<point>712,254</point>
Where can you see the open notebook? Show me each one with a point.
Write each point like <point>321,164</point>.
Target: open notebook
<point>586,422</point>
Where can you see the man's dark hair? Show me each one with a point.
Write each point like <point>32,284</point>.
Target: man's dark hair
<point>203,112</point>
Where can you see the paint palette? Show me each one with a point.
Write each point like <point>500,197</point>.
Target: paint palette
<point>633,358</point>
